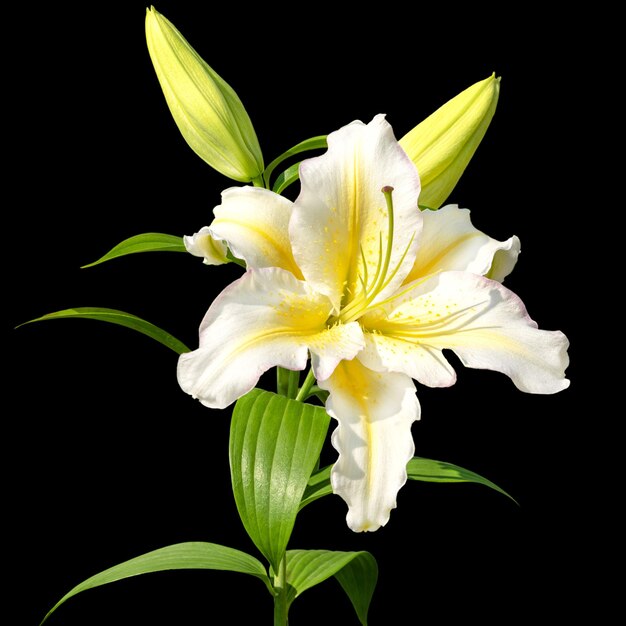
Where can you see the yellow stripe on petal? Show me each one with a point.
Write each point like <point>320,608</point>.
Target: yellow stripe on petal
<point>375,411</point>
<point>449,241</point>
<point>340,224</point>
<point>266,318</point>
<point>254,222</point>
<point>484,323</point>
<point>329,347</point>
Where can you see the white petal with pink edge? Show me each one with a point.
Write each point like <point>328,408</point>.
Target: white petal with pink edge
<point>484,323</point>
<point>266,318</point>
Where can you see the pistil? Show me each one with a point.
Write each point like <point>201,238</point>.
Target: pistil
<point>362,302</point>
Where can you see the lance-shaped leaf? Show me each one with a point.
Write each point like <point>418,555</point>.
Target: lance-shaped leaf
<point>121,318</point>
<point>428,470</point>
<point>147,242</point>
<point>274,445</point>
<point>314,143</point>
<point>286,178</point>
<point>418,468</point>
<point>357,572</point>
<point>318,486</point>
<point>189,555</point>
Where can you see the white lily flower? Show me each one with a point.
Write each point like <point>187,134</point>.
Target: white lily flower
<point>372,289</point>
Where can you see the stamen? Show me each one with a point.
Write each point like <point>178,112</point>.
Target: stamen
<point>408,287</point>
<point>382,277</point>
<point>357,307</point>
<point>437,327</point>
<point>395,271</point>
<point>387,191</point>
<point>379,265</point>
<point>363,283</point>
<point>364,279</point>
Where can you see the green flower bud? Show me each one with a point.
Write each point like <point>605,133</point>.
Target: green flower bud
<point>443,144</point>
<point>207,111</point>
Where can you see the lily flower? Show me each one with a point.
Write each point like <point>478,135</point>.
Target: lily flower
<point>206,109</point>
<point>355,277</point>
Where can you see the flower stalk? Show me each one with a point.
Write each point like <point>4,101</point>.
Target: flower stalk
<point>307,385</point>
<point>281,603</point>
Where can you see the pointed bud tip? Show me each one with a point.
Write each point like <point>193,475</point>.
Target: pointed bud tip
<point>153,15</point>
<point>496,79</point>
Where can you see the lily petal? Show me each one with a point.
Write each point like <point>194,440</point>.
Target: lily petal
<point>449,241</point>
<point>375,412</point>
<point>265,318</point>
<point>340,216</point>
<point>419,360</point>
<point>254,222</point>
<point>202,244</point>
<point>504,259</point>
<point>484,323</point>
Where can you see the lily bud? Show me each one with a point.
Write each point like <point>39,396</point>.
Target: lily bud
<point>207,111</point>
<point>442,145</point>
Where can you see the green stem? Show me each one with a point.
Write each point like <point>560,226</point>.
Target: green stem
<point>294,381</point>
<point>259,181</point>
<point>282,381</point>
<point>305,390</point>
<point>322,394</point>
<point>287,382</point>
<point>281,606</point>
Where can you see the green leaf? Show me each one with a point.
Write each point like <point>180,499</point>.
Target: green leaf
<point>286,178</point>
<point>320,394</point>
<point>318,486</point>
<point>274,445</point>
<point>358,579</point>
<point>190,555</point>
<point>418,468</point>
<point>357,572</point>
<point>148,242</point>
<point>314,143</point>
<point>121,318</point>
<point>431,471</point>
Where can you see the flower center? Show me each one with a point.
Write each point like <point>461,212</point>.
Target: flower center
<point>371,287</point>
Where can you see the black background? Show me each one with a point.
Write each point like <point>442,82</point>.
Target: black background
<point>107,458</point>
